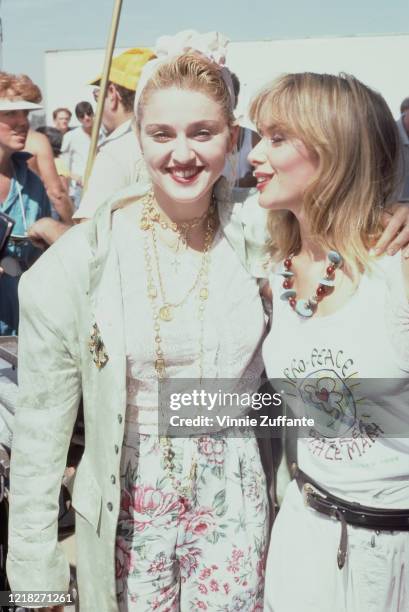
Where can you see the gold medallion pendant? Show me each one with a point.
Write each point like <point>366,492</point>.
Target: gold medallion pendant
<point>165,313</point>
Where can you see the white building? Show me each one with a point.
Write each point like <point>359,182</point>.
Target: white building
<point>377,60</point>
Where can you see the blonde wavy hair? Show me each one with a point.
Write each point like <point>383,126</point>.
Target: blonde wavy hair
<point>194,72</point>
<point>19,86</point>
<point>352,133</point>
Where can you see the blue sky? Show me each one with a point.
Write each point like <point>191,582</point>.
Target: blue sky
<point>31,27</point>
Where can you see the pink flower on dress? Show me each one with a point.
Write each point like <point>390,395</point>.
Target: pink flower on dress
<point>201,523</point>
<point>188,562</point>
<point>201,605</point>
<point>158,565</point>
<point>166,597</point>
<point>212,449</point>
<point>203,589</point>
<point>226,588</point>
<point>145,504</point>
<point>123,559</point>
<point>237,554</point>
<point>205,573</point>
<point>235,561</point>
<point>214,585</point>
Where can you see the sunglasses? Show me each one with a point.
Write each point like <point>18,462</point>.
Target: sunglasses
<point>82,115</point>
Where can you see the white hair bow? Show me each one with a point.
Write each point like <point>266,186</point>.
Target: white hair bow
<point>212,45</point>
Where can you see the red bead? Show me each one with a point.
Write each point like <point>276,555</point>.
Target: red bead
<point>287,283</point>
<point>320,291</point>
<point>292,301</point>
<point>330,270</point>
<point>287,263</point>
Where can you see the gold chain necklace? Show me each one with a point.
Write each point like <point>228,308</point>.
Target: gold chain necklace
<point>166,310</point>
<point>164,313</point>
<point>153,214</point>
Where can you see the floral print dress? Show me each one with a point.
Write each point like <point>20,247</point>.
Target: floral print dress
<point>199,544</point>
<point>201,552</point>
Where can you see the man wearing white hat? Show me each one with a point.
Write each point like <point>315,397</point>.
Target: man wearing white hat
<point>22,194</point>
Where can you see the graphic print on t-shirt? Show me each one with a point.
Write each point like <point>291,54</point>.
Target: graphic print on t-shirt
<point>332,395</point>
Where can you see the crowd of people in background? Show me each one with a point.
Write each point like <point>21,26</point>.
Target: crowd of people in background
<point>44,189</point>
<point>58,155</point>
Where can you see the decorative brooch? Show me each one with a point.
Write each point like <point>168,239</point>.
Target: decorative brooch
<point>97,348</point>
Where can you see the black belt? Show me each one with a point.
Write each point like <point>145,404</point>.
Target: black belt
<point>348,513</point>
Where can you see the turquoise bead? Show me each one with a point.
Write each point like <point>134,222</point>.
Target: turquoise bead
<point>304,308</point>
<point>328,282</point>
<point>286,273</point>
<point>286,295</point>
<point>335,258</point>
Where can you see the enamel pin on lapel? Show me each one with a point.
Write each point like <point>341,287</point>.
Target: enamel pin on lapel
<point>97,347</point>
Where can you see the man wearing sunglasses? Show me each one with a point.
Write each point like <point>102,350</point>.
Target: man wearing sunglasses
<point>75,147</point>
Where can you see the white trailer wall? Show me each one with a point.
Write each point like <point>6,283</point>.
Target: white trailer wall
<point>376,60</point>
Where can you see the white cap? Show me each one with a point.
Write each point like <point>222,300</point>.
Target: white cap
<point>9,105</point>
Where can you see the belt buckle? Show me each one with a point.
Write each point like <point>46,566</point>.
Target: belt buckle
<point>309,490</point>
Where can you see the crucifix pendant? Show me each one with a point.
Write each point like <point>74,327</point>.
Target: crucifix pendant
<point>175,264</point>
<point>181,243</point>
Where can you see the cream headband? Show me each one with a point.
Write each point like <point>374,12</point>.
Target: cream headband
<point>212,45</point>
<point>9,105</point>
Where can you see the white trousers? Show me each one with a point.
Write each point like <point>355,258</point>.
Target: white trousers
<point>302,573</point>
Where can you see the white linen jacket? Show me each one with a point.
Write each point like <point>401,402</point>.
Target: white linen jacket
<point>75,284</point>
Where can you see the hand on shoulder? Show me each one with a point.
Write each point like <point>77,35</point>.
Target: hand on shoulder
<point>395,236</point>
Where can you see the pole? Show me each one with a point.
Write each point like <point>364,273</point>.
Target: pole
<point>102,92</point>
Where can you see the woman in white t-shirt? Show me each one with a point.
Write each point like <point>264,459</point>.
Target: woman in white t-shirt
<point>339,345</point>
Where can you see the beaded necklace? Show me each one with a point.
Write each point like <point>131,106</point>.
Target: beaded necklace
<point>306,308</point>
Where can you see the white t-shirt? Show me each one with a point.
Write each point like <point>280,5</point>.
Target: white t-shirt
<point>74,150</point>
<point>349,371</point>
